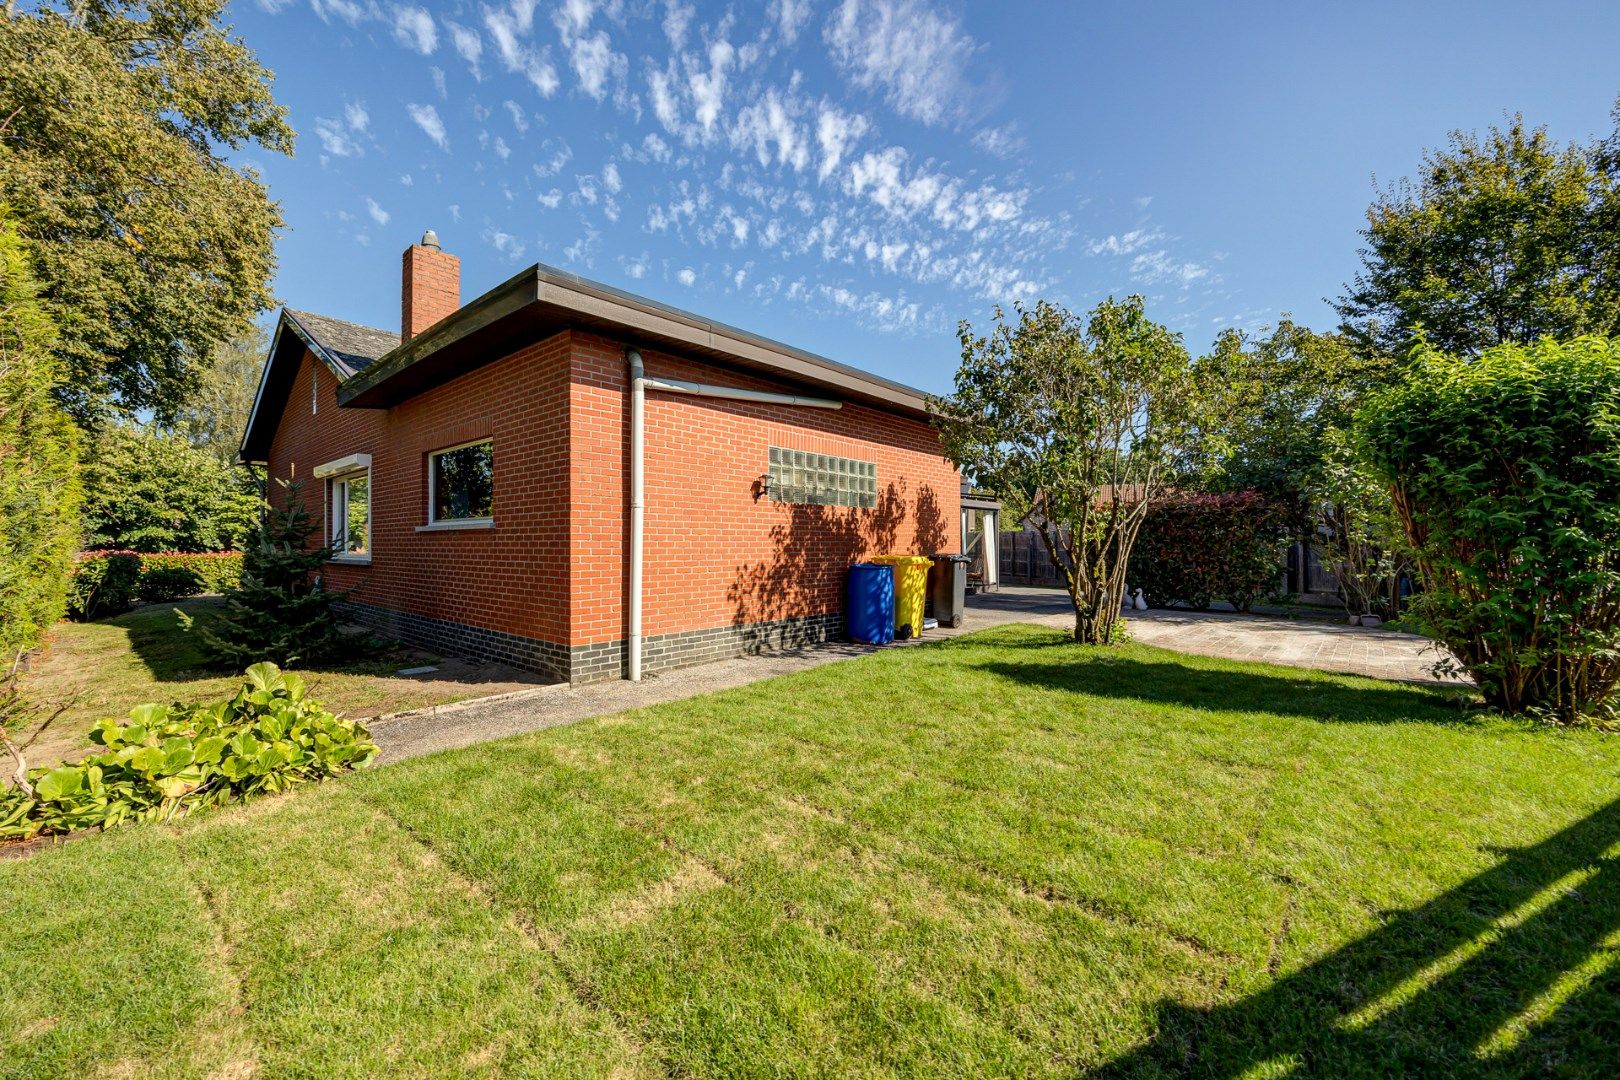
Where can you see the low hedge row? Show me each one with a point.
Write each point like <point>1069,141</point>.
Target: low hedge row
<point>109,582</point>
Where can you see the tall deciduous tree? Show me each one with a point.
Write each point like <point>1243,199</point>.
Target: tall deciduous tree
<point>152,249</point>
<point>1073,423</point>
<point>218,412</point>
<point>1502,239</point>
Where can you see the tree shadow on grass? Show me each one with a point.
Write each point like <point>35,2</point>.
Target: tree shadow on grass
<point>1103,672</point>
<point>1512,973</point>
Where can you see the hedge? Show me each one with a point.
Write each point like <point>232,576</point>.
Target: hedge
<point>1195,549</point>
<point>109,582</point>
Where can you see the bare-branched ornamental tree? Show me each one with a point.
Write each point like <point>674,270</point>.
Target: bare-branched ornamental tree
<point>1072,423</point>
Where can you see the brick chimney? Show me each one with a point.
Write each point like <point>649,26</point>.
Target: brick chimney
<point>431,286</point>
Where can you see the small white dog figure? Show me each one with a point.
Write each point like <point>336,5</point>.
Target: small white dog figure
<point>1140,601</point>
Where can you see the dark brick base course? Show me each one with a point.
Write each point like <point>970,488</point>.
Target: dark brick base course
<point>607,659</point>
<point>603,660</point>
<point>459,639</point>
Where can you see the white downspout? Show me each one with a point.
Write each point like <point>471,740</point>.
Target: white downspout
<point>639,385</point>
<point>638,502</point>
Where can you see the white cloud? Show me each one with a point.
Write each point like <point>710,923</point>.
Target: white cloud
<point>551,199</point>
<point>505,244</point>
<point>414,29</point>
<point>1000,141</point>
<point>765,124</point>
<point>354,113</point>
<point>611,179</point>
<point>789,17</point>
<point>914,55</point>
<point>438,81</point>
<point>836,132</point>
<point>508,27</point>
<point>520,119</point>
<point>591,55</point>
<point>427,118</point>
<point>1155,267</point>
<point>405,180</point>
<point>708,88</point>
<point>378,214</point>
<point>273,7</point>
<point>677,18</point>
<point>335,138</point>
<point>343,10</point>
<point>687,276</point>
<point>1124,243</point>
<point>502,151</point>
<point>885,177</point>
<point>636,268</point>
<point>468,45</point>
<point>656,148</point>
<point>560,156</point>
<point>455,212</point>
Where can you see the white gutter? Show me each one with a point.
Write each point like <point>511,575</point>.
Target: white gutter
<point>639,385</point>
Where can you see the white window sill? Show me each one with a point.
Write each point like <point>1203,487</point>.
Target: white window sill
<point>353,560</point>
<point>457,526</point>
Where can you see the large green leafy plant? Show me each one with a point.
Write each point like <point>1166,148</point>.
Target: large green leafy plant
<point>146,491</point>
<point>171,760</point>
<point>1506,476</point>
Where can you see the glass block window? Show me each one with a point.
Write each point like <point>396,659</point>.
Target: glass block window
<point>809,479</point>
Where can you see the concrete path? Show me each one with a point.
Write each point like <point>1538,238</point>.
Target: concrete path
<point>1297,642</point>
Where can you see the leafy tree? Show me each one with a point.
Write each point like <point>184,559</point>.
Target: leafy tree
<point>152,249</point>
<point>281,610</point>
<point>217,413</point>
<point>1072,424</point>
<point>1506,238</point>
<point>1277,399</point>
<point>1506,474</point>
<point>39,467</point>
<point>147,491</point>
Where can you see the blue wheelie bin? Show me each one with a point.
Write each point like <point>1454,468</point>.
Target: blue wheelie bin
<point>869,613</point>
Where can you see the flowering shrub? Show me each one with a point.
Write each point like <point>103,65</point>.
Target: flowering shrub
<point>108,582</point>
<point>1195,549</point>
<point>170,760</point>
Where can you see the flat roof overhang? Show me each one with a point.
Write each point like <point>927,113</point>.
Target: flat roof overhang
<point>542,301</point>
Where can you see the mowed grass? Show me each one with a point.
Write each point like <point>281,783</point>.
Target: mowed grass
<point>1000,855</point>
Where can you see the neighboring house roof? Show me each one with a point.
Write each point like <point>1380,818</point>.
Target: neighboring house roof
<point>375,370</point>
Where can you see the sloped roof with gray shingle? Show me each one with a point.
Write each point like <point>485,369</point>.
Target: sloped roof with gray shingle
<point>349,344</point>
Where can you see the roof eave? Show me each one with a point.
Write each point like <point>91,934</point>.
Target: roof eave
<point>573,300</point>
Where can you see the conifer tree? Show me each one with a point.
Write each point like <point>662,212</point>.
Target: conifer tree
<point>281,611</point>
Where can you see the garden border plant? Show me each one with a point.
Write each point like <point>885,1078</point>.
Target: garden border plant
<point>172,759</point>
<point>1197,548</point>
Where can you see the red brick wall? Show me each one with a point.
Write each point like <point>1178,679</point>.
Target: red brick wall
<point>512,578</point>
<point>717,555</point>
<point>553,567</point>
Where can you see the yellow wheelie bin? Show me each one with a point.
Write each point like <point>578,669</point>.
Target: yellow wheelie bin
<point>910,591</point>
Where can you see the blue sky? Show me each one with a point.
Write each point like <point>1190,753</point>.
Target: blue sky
<point>854,176</point>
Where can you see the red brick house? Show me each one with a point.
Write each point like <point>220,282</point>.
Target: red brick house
<point>476,473</point>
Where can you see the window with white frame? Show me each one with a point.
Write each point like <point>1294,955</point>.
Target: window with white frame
<point>461,484</point>
<point>351,515</point>
<point>348,506</point>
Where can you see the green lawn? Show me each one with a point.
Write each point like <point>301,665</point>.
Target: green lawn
<point>1000,855</point>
